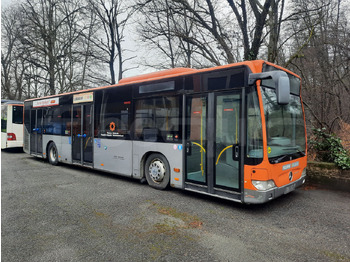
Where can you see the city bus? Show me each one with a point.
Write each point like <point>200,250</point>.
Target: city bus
<point>235,132</point>
<point>11,124</point>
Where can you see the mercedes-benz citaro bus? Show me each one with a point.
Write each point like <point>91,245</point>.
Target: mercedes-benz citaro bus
<point>11,124</point>
<point>235,131</point>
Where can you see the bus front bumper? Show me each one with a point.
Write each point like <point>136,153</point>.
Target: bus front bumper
<point>258,196</point>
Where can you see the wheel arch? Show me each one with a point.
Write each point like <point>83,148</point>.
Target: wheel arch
<point>143,161</point>
<point>47,148</point>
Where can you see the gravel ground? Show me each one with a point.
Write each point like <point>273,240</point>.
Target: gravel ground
<point>66,213</point>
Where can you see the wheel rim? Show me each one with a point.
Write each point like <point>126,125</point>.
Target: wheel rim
<point>157,170</point>
<point>53,153</point>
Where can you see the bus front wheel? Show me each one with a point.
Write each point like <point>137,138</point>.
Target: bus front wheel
<point>53,154</point>
<point>157,171</point>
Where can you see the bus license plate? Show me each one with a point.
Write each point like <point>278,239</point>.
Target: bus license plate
<point>289,189</point>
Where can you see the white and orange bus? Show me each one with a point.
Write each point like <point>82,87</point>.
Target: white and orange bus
<point>236,131</point>
<point>11,124</point>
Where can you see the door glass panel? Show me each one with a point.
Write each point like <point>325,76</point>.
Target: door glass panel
<point>227,139</point>
<point>36,145</point>
<point>87,134</point>
<point>39,125</point>
<point>196,139</point>
<point>76,133</point>
<point>33,131</point>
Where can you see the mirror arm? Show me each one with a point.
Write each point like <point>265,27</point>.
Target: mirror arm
<point>275,75</point>
<point>281,82</point>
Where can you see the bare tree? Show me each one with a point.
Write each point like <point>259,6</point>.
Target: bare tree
<point>183,32</point>
<point>113,16</point>
<point>90,56</point>
<point>10,36</point>
<point>157,28</point>
<point>46,36</point>
<point>69,57</point>
<point>274,24</point>
<point>260,11</point>
<point>165,25</point>
<point>324,61</point>
<point>43,24</point>
<point>205,17</point>
<point>215,33</point>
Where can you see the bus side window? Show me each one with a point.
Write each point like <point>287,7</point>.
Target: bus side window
<point>17,114</point>
<point>66,120</point>
<point>157,119</point>
<point>52,121</point>
<point>113,120</point>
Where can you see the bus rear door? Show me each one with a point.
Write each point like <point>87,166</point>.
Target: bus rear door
<point>36,135</point>
<point>82,139</point>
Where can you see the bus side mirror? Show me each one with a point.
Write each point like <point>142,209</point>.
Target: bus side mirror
<point>281,83</point>
<point>283,90</point>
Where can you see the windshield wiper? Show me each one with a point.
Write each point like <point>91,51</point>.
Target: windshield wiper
<point>295,148</point>
<point>301,152</point>
<point>281,158</point>
<point>278,160</point>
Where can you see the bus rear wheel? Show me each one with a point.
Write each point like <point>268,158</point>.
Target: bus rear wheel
<point>52,154</point>
<point>157,171</point>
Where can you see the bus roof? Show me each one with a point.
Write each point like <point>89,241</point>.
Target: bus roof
<point>158,74</point>
<point>14,102</point>
<point>255,66</point>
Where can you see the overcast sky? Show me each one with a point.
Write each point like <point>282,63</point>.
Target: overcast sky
<point>5,3</point>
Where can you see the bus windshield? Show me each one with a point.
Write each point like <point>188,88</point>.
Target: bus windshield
<point>284,126</point>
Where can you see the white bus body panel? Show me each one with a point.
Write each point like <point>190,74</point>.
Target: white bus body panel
<point>3,140</point>
<point>16,129</point>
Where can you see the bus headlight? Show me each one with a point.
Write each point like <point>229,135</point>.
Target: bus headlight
<point>263,185</point>
<point>303,175</point>
<point>304,172</point>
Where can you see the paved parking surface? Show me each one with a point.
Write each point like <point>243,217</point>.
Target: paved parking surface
<point>65,213</point>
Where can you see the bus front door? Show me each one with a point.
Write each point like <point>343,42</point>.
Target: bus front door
<point>36,135</point>
<point>82,139</point>
<point>212,155</point>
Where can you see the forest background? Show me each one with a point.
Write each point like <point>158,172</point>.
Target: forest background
<point>55,46</point>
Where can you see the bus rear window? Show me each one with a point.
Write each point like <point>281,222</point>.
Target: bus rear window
<point>17,114</point>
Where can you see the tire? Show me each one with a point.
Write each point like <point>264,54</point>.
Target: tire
<point>157,171</point>
<point>52,154</point>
